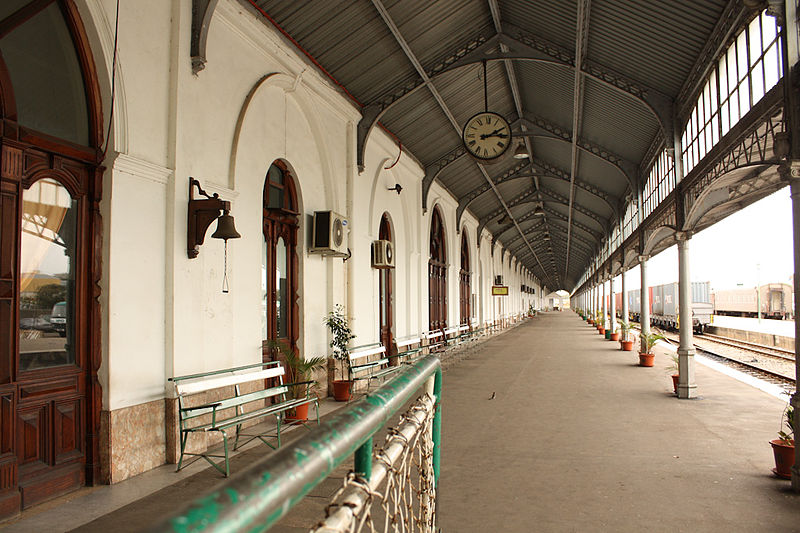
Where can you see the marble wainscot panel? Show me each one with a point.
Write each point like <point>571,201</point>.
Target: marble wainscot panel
<point>136,440</point>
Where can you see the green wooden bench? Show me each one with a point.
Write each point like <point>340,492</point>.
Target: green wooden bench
<point>369,362</point>
<point>409,348</point>
<point>271,397</point>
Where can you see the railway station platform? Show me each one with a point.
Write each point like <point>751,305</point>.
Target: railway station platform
<point>549,427</point>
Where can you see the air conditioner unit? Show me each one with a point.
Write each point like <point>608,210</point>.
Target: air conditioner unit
<point>328,234</point>
<point>498,280</point>
<point>382,254</point>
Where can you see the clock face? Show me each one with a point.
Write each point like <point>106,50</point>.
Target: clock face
<point>486,135</point>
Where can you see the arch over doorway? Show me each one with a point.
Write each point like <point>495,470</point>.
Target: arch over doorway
<point>437,274</point>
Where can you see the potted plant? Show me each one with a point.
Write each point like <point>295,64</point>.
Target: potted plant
<point>614,336</point>
<point>646,358</point>
<point>300,373</point>
<point>341,336</point>
<point>601,323</point>
<point>783,446</point>
<point>625,343</point>
<point>675,369</point>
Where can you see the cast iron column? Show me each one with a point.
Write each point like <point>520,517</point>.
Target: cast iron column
<point>624,312</point>
<point>687,388</point>
<point>603,306</point>
<point>644,310</point>
<point>612,305</point>
<point>794,186</point>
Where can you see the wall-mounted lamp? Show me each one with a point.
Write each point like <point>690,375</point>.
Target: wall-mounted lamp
<point>396,187</point>
<point>202,212</point>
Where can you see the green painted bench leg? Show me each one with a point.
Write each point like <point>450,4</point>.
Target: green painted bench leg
<point>184,437</point>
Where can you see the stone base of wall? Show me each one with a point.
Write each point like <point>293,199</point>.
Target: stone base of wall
<point>132,440</point>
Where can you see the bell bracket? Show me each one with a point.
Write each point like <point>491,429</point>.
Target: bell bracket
<point>202,212</point>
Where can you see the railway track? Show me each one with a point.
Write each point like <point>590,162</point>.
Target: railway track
<point>770,376</point>
<point>769,351</point>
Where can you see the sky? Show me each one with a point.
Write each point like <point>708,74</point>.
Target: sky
<point>750,247</point>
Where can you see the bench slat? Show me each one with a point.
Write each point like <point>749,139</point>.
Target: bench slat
<point>357,354</point>
<point>224,381</point>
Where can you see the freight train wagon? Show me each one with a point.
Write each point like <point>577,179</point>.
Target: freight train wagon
<point>664,305</point>
<point>776,301</point>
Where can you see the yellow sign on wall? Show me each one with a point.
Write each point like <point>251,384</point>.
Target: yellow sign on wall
<point>499,290</point>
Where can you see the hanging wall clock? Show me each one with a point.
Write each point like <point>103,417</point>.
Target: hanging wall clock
<point>486,135</point>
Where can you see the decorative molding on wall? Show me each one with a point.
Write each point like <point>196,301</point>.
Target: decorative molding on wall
<point>145,170</point>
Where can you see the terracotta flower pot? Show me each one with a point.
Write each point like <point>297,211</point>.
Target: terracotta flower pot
<point>614,337</point>
<point>675,378</point>
<point>784,458</point>
<point>341,390</point>
<point>300,414</point>
<point>626,346</point>
<point>646,359</point>
<point>601,330</point>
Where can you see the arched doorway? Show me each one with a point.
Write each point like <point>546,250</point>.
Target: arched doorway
<point>280,223</point>
<point>385,287</point>
<point>464,279</point>
<point>50,242</point>
<point>437,275</point>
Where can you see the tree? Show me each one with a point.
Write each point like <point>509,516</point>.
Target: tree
<point>50,294</point>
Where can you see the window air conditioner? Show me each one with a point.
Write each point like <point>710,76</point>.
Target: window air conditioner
<point>382,254</point>
<point>328,234</point>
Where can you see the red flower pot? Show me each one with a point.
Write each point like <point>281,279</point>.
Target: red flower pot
<point>626,346</point>
<point>675,378</point>
<point>614,337</point>
<point>784,458</point>
<point>341,390</point>
<point>646,359</point>
<point>300,414</point>
<point>601,330</point>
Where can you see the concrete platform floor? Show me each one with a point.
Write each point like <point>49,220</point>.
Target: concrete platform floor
<point>577,438</point>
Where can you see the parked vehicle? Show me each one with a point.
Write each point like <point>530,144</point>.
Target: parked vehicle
<point>664,305</point>
<point>58,318</point>
<point>776,301</point>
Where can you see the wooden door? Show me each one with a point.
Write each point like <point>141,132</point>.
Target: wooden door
<point>280,224</point>
<point>437,275</point>
<point>50,244</point>
<point>385,295</point>
<point>464,281</point>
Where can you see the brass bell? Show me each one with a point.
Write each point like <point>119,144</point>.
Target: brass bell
<point>225,228</point>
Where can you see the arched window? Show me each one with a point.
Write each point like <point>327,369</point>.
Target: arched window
<point>437,275</point>
<point>463,276</point>
<point>280,223</point>
<point>49,263</point>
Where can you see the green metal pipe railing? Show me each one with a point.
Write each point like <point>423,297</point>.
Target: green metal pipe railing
<point>258,497</point>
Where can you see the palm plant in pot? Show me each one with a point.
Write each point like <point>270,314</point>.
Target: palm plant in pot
<point>675,369</point>
<point>625,343</point>
<point>783,446</point>
<point>341,335</point>
<point>300,376</point>
<point>646,358</point>
<point>601,323</point>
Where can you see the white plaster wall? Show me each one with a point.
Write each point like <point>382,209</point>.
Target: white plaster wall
<point>256,101</point>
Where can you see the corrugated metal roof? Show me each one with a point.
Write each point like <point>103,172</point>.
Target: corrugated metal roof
<point>652,43</point>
